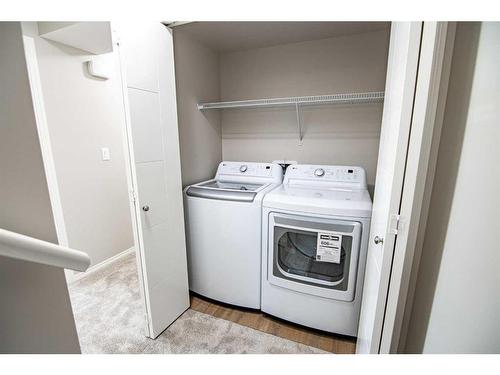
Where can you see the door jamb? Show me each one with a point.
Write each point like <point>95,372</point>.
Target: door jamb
<point>44,139</point>
<point>430,98</point>
<point>404,77</point>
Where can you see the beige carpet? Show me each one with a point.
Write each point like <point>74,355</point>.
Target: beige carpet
<point>109,318</point>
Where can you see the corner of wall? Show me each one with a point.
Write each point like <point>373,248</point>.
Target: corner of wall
<point>197,79</point>
<point>35,300</point>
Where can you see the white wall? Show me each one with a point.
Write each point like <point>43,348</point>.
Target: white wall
<point>333,134</point>
<point>457,298</point>
<point>84,114</point>
<point>35,312</point>
<point>197,80</point>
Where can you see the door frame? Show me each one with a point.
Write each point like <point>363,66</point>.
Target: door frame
<point>402,68</point>
<point>45,144</point>
<point>429,99</point>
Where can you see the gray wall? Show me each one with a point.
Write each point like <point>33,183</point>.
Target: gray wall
<point>35,313</point>
<point>333,134</point>
<point>197,80</point>
<point>457,299</point>
<point>84,114</point>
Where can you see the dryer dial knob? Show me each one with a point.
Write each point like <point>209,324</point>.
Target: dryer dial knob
<point>243,168</point>
<point>320,172</point>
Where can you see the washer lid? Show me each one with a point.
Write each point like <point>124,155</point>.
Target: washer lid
<point>225,185</point>
<point>227,191</point>
<point>342,202</point>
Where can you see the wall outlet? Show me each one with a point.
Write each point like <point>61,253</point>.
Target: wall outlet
<point>105,154</point>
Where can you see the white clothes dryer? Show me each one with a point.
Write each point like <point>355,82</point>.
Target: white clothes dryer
<point>315,239</point>
<point>224,231</point>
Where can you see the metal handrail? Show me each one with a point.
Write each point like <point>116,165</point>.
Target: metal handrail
<point>18,246</point>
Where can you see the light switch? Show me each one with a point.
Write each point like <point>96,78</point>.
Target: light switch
<point>105,154</point>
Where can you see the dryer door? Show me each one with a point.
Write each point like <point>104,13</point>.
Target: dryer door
<point>314,255</point>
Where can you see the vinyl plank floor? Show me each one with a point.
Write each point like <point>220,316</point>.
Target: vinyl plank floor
<point>277,327</point>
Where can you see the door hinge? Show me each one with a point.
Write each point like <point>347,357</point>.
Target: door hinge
<point>133,196</point>
<point>115,37</point>
<point>395,224</point>
<point>148,330</point>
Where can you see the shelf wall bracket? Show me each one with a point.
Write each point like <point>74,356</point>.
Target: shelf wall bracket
<point>299,124</point>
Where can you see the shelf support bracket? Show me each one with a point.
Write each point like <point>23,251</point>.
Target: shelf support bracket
<point>299,125</point>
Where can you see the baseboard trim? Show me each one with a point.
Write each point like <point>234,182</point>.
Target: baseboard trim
<point>80,275</point>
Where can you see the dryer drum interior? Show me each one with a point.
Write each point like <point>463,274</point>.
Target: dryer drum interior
<point>296,256</point>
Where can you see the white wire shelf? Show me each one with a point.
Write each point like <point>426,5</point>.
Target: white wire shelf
<point>351,98</point>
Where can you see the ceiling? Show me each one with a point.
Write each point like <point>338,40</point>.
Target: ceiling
<point>238,36</point>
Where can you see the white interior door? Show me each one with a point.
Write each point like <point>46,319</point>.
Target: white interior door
<point>434,65</point>
<point>398,105</point>
<point>147,61</point>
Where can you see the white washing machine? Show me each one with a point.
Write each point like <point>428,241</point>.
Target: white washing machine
<point>224,231</point>
<point>315,239</point>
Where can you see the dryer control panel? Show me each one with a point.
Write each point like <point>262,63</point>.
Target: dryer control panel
<point>333,176</point>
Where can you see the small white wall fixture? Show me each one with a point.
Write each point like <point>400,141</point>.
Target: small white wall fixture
<point>101,66</point>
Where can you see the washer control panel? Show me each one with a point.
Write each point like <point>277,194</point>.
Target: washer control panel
<point>333,175</point>
<point>319,172</point>
<point>249,169</point>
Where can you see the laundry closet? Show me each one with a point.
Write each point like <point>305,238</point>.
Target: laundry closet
<point>233,61</point>
<point>304,95</point>
<point>335,94</point>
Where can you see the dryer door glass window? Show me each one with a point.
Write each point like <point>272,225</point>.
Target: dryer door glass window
<point>297,257</point>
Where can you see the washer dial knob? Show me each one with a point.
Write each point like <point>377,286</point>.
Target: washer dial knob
<point>243,168</point>
<point>320,172</point>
